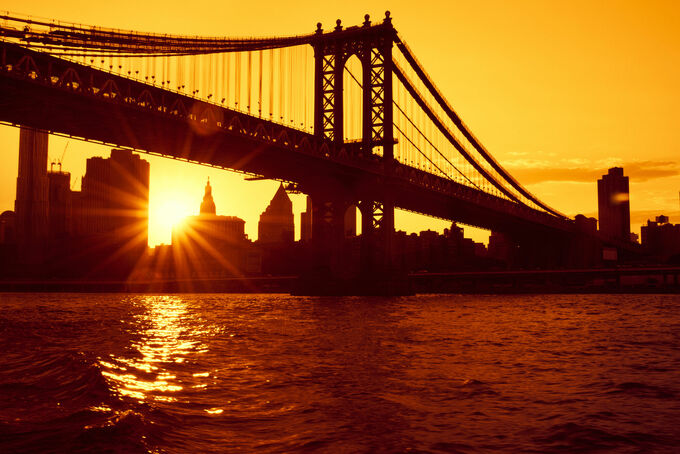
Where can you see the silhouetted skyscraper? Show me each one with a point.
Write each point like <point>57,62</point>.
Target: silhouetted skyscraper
<point>31,206</point>
<point>351,221</point>
<point>613,204</point>
<point>113,208</point>
<point>59,204</point>
<point>277,224</point>
<point>306,222</point>
<point>116,195</point>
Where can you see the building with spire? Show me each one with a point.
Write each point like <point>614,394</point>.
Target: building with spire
<point>209,245</point>
<point>277,224</point>
<point>208,204</point>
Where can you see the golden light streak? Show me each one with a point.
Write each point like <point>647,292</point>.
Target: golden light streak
<point>161,344</point>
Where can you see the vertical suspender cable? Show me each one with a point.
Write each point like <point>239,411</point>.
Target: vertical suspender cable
<point>290,85</point>
<point>194,66</point>
<point>259,97</point>
<point>237,81</point>
<point>180,75</point>
<point>219,71</point>
<point>214,76</point>
<point>227,77</point>
<point>281,74</point>
<point>250,78</point>
<point>207,70</point>
<point>271,83</point>
<point>306,88</point>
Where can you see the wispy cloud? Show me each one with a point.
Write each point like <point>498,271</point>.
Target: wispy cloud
<point>528,171</point>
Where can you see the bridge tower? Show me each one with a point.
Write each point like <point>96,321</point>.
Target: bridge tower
<point>372,45</point>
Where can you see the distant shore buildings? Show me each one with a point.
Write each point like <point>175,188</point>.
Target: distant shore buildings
<point>661,240</point>
<point>101,231</point>
<point>98,231</point>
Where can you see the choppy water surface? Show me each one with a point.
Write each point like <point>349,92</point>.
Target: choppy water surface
<point>272,373</point>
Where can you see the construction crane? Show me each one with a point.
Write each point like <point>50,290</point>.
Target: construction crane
<point>60,160</point>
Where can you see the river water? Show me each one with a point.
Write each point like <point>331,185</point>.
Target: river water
<point>275,373</point>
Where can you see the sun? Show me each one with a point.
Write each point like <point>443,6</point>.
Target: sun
<point>167,209</point>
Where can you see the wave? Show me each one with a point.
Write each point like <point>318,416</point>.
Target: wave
<point>643,390</point>
<point>59,401</point>
<point>574,437</point>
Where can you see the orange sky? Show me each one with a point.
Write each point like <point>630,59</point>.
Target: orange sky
<point>557,90</point>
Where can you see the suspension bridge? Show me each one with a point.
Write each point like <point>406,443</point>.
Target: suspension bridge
<point>348,116</point>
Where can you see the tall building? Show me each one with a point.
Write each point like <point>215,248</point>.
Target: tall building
<point>613,204</point>
<point>59,204</point>
<point>277,224</point>
<point>31,205</point>
<point>115,196</point>
<point>306,222</point>
<point>351,221</point>
<point>112,212</point>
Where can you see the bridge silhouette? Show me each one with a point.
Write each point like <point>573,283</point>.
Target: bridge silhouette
<point>348,116</point>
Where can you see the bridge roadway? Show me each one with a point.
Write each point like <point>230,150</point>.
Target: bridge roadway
<point>60,96</point>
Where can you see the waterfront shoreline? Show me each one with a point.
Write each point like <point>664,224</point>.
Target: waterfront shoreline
<point>462,283</point>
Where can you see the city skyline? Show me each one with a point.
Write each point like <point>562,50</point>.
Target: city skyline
<point>181,204</point>
<point>353,226</point>
<point>565,131</point>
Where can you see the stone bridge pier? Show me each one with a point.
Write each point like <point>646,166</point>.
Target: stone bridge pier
<point>338,264</point>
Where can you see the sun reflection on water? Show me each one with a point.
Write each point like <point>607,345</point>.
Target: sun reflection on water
<point>165,339</point>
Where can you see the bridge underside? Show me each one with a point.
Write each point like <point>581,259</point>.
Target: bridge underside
<point>95,118</point>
